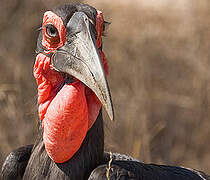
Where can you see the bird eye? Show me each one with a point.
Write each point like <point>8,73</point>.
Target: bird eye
<point>51,31</point>
<point>51,34</point>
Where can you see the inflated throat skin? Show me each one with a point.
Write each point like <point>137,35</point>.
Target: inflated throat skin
<point>66,122</point>
<point>66,112</point>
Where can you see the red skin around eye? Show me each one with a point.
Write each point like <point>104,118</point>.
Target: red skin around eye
<point>67,112</point>
<point>52,18</point>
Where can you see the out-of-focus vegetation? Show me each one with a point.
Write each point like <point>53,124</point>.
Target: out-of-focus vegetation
<point>159,78</point>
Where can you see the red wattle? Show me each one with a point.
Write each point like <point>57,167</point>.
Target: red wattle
<point>94,106</point>
<point>66,122</point>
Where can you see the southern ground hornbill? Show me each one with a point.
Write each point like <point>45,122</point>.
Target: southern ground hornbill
<point>70,71</point>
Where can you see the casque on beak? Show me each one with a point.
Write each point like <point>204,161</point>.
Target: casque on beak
<point>80,58</point>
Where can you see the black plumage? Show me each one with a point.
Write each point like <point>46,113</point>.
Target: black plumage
<point>90,161</point>
<point>137,170</point>
<point>16,162</point>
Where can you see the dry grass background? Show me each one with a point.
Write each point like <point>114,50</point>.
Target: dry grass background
<point>158,54</point>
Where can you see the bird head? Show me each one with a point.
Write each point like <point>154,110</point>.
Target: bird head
<point>70,70</point>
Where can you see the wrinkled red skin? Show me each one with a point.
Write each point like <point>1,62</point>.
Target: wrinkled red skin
<point>67,113</point>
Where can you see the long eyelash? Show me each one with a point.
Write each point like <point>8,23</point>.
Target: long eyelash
<point>39,29</point>
<point>105,27</point>
<point>92,22</point>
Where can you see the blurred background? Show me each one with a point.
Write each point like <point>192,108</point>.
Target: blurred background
<point>159,59</point>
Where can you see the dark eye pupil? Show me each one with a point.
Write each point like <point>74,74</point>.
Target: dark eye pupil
<point>52,31</point>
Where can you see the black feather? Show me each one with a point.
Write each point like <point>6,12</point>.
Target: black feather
<point>125,168</point>
<point>16,162</point>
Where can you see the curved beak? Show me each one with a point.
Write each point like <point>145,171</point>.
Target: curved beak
<point>79,57</point>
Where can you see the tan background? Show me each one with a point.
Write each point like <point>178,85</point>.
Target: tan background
<point>158,52</point>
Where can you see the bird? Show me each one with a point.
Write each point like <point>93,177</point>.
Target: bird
<point>71,70</point>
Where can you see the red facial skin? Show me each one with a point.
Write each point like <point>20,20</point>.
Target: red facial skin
<point>67,113</point>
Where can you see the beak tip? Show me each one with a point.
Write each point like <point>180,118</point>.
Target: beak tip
<point>111,118</point>
<point>111,114</point>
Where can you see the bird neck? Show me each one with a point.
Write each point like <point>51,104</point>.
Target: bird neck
<point>79,167</point>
